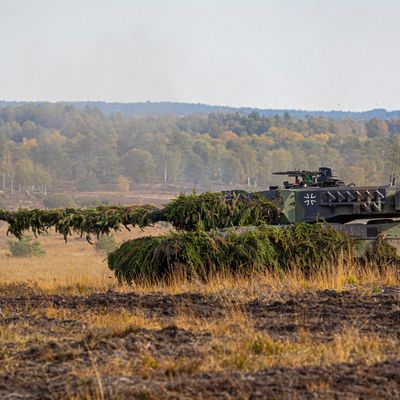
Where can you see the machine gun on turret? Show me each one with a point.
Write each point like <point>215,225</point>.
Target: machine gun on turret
<point>321,178</point>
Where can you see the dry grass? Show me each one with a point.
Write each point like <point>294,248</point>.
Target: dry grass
<point>236,344</point>
<point>339,277</point>
<point>74,267</point>
<point>254,351</point>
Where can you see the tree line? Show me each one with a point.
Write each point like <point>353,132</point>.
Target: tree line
<point>185,109</point>
<point>44,145</point>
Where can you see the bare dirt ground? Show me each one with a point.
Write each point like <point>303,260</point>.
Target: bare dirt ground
<point>69,331</point>
<point>324,344</point>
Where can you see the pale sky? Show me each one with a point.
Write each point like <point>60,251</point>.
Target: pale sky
<point>303,54</point>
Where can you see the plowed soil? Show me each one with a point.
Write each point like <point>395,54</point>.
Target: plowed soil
<point>52,349</point>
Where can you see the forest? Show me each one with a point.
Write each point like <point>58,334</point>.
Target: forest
<point>45,145</point>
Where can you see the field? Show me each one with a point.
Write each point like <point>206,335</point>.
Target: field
<point>69,331</point>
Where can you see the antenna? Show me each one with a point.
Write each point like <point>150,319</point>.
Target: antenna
<point>396,144</point>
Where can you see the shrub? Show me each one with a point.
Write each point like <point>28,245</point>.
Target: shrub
<point>106,244</point>
<point>59,201</point>
<point>26,247</point>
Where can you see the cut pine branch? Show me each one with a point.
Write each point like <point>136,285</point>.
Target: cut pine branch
<point>187,212</point>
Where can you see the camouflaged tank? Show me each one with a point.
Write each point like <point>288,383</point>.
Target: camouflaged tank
<point>365,213</point>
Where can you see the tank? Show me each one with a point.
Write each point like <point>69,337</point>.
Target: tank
<point>364,212</point>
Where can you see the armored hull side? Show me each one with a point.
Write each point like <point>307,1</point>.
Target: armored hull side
<point>339,204</point>
<point>366,232</point>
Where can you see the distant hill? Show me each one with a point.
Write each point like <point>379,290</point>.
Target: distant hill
<point>184,109</point>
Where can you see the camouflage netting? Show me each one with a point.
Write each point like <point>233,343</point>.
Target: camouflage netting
<point>199,253</point>
<point>217,210</point>
<point>187,212</point>
<point>207,238</point>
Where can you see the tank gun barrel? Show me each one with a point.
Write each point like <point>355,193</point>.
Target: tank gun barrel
<point>296,173</point>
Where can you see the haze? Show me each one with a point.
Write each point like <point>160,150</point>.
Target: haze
<point>315,55</point>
